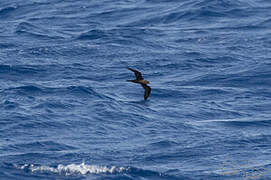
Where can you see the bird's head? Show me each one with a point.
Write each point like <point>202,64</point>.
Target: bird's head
<point>147,82</point>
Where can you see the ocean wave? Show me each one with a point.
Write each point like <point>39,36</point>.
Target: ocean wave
<point>9,105</point>
<point>92,34</point>
<point>191,11</point>
<point>28,29</point>
<point>130,37</point>
<point>232,77</point>
<point>19,69</point>
<point>6,12</point>
<point>221,4</point>
<point>28,89</point>
<point>34,90</point>
<point>163,144</point>
<point>72,169</point>
<point>112,172</point>
<point>7,45</point>
<point>39,146</point>
<point>240,122</point>
<point>21,10</point>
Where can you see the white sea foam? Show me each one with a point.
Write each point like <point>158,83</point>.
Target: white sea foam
<point>73,169</point>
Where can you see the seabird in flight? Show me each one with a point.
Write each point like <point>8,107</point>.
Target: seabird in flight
<point>140,80</point>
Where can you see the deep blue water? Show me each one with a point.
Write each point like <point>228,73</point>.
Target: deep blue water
<point>67,112</point>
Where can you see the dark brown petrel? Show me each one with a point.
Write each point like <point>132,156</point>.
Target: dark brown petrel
<point>140,80</point>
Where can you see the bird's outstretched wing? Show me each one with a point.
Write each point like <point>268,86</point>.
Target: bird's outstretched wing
<point>147,90</point>
<point>137,74</point>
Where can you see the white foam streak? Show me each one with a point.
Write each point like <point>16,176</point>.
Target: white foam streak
<point>73,169</point>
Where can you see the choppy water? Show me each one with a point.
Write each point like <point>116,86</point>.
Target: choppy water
<point>67,112</point>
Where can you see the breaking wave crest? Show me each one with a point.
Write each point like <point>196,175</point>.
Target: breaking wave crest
<point>72,169</point>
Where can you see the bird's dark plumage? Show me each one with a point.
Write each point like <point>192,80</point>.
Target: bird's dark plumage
<point>147,90</point>
<point>137,74</point>
<point>140,80</point>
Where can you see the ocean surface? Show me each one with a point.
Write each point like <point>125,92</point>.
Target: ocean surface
<point>67,111</point>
